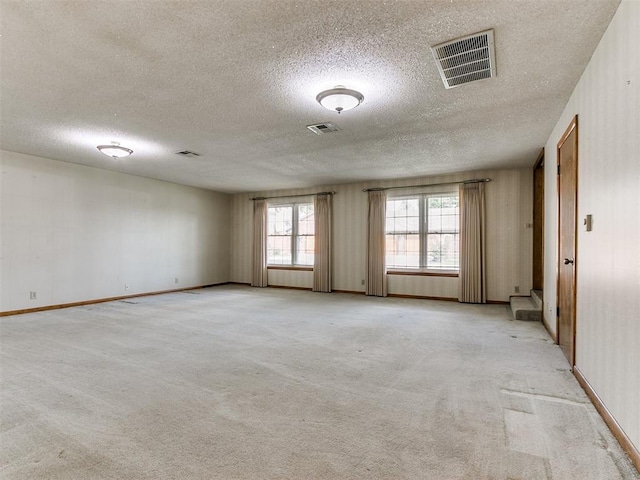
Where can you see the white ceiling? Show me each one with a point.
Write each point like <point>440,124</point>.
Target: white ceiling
<point>236,81</point>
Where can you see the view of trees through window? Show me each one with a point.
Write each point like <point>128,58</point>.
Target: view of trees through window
<point>290,234</point>
<point>422,231</point>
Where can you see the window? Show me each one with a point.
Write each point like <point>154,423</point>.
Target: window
<point>290,234</point>
<point>422,232</point>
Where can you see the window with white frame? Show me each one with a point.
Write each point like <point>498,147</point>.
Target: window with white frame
<point>422,232</point>
<point>290,234</point>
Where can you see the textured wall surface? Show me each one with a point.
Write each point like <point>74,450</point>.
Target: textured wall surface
<point>74,233</point>
<point>607,102</point>
<point>509,241</point>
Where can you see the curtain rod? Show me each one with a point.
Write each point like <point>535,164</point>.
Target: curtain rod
<point>290,196</point>
<point>475,180</point>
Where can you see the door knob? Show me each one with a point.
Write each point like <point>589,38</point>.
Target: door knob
<point>568,261</point>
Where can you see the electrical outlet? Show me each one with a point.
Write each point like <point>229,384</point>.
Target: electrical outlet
<point>126,286</point>
<point>516,289</point>
<point>33,295</point>
<point>362,282</point>
<point>175,280</point>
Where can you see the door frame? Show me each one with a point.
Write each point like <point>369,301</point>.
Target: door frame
<point>538,223</point>
<point>573,125</point>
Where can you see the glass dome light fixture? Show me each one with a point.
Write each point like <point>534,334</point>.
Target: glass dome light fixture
<point>340,98</point>
<point>115,150</point>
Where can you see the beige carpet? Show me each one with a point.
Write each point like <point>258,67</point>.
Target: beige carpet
<point>240,383</point>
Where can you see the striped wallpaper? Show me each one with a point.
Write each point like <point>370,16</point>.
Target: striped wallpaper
<point>607,102</point>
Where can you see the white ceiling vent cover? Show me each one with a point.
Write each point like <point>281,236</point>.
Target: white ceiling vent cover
<point>466,59</point>
<point>322,128</point>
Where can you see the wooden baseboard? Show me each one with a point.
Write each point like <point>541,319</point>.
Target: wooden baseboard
<point>103,300</point>
<point>396,295</point>
<point>308,289</point>
<point>609,419</point>
<point>422,297</point>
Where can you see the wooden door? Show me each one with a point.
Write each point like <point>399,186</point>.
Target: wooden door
<point>567,213</point>
<point>538,223</point>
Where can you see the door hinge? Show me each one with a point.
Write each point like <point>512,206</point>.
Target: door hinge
<point>557,311</point>
<point>558,169</point>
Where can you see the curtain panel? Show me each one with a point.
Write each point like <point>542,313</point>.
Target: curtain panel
<point>259,257</point>
<point>376,261</point>
<point>322,252</point>
<point>473,283</point>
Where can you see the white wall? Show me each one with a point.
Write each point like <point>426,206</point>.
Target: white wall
<point>74,233</point>
<point>509,209</point>
<point>607,101</point>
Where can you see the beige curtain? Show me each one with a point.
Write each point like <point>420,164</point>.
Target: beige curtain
<point>322,253</point>
<point>259,268</point>
<point>473,284</point>
<point>376,262</point>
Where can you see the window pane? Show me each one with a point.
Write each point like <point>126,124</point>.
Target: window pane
<point>400,224</point>
<point>433,250</point>
<point>443,251</point>
<point>443,214</point>
<point>306,219</point>
<point>449,223</point>
<point>279,250</point>
<point>435,203</point>
<point>413,207</point>
<point>389,224</point>
<point>304,250</point>
<point>435,223</point>
<point>450,211</point>
<point>449,257</point>
<point>403,251</point>
<point>403,215</point>
<point>449,204</point>
<point>391,208</point>
<point>279,220</point>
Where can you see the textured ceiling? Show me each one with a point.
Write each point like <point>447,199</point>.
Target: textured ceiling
<point>236,82</point>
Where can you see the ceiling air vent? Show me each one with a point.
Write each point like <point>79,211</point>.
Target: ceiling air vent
<point>188,153</point>
<point>466,59</point>
<point>321,128</point>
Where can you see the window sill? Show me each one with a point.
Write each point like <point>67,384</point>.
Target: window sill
<point>299,268</point>
<point>424,273</point>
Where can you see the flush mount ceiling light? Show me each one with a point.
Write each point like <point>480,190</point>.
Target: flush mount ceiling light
<point>115,150</point>
<point>340,98</point>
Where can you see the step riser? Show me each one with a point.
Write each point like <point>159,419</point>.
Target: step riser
<point>526,309</point>
<point>536,296</point>
<point>529,316</point>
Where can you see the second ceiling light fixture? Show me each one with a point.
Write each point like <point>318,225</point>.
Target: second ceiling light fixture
<point>340,98</point>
